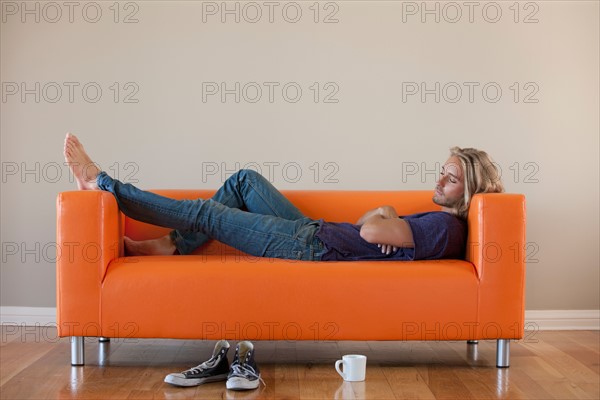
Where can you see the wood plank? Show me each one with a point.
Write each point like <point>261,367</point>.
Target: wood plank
<point>545,365</point>
<point>571,368</point>
<point>578,347</point>
<point>282,381</point>
<point>522,382</point>
<point>27,346</point>
<point>406,383</point>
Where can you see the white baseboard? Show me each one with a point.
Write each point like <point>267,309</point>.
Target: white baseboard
<point>558,320</point>
<point>544,320</point>
<point>28,316</point>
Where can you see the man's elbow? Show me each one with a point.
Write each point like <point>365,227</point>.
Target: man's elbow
<point>367,233</point>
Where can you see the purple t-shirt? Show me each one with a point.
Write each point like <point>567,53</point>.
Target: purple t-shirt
<point>436,235</point>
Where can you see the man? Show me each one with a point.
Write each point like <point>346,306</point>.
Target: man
<point>249,214</point>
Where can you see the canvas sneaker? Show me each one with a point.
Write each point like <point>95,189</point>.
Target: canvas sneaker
<point>244,373</point>
<point>213,370</point>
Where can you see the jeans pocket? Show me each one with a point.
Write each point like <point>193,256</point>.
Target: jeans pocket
<point>305,234</point>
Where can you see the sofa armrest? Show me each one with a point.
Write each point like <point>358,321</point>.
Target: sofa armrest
<point>496,247</point>
<point>89,236</point>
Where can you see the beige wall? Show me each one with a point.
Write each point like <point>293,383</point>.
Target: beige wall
<point>365,131</point>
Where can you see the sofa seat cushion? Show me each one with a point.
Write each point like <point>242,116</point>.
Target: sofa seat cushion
<point>242,297</point>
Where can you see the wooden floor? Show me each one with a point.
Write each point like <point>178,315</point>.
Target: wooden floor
<point>35,364</point>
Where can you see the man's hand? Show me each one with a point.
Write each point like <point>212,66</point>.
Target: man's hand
<point>382,226</point>
<point>375,229</point>
<point>387,249</point>
<point>387,212</point>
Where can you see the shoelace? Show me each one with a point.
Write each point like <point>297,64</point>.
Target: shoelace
<point>243,370</point>
<point>205,365</point>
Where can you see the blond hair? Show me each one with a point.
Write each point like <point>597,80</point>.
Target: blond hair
<point>480,175</point>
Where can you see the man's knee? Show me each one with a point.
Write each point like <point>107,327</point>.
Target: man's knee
<point>243,174</point>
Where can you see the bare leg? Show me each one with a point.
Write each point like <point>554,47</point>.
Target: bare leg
<point>247,212</point>
<point>163,246</point>
<point>85,171</point>
<point>82,166</point>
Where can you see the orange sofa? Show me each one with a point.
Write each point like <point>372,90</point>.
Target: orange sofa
<point>219,292</point>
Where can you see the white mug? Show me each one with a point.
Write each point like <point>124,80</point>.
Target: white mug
<point>354,367</point>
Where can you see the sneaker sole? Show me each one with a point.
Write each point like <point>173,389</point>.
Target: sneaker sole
<point>242,384</point>
<point>174,380</point>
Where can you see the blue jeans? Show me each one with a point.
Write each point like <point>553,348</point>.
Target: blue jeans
<point>247,213</point>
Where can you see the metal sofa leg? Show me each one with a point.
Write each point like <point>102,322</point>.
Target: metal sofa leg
<point>503,353</point>
<point>77,350</point>
<point>103,339</point>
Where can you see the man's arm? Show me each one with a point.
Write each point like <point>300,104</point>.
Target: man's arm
<point>384,211</point>
<point>382,226</point>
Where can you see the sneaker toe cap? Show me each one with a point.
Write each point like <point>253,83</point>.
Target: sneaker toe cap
<point>236,383</point>
<point>175,379</point>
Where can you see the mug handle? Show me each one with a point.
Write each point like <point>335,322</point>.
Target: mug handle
<point>337,368</point>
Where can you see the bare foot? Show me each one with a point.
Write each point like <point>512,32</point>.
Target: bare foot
<point>82,166</point>
<point>163,246</point>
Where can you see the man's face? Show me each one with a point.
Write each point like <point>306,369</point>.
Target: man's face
<point>450,186</point>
